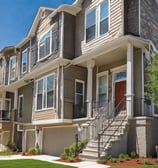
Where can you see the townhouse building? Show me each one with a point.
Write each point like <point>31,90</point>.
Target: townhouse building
<point>81,70</point>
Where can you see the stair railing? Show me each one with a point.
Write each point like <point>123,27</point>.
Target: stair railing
<point>101,144</point>
<point>89,131</point>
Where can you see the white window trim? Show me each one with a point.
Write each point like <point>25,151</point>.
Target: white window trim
<point>20,96</point>
<point>23,72</point>
<point>11,58</point>
<point>97,31</point>
<point>97,84</point>
<point>50,52</point>
<point>43,109</point>
<point>83,82</point>
<point>19,129</point>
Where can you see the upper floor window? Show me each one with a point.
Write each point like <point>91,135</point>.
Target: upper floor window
<point>44,46</point>
<point>12,68</point>
<point>20,106</point>
<point>97,21</point>
<point>45,92</point>
<point>24,65</point>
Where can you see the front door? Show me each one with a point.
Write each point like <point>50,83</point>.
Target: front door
<point>120,91</point>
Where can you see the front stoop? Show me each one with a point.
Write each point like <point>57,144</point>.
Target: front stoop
<point>114,138</point>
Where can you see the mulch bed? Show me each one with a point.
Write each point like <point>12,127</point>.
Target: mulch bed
<point>133,162</point>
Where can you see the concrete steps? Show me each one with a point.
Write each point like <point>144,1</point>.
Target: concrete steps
<point>113,134</point>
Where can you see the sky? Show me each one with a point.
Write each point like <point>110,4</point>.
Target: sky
<point>17,16</point>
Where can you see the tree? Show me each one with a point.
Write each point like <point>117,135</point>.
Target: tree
<point>152,80</point>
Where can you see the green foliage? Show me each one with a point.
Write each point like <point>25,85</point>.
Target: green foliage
<point>12,147</point>
<point>113,160</point>
<point>152,80</point>
<point>72,151</point>
<point>102,161</point>
<point>109,157</point>
<point>147,162</point>
<point>34,151</point>
<point>156,160</point>
<point>133,155</point>
<point>123,156</point>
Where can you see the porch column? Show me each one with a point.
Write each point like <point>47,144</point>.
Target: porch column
<point>129,86</point>
<point>90,66</point>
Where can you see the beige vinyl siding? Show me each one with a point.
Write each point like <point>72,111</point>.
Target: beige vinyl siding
<point>44,115</point>
<point>116,29</point>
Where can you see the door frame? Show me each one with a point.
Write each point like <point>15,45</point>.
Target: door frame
<point>115,71</point>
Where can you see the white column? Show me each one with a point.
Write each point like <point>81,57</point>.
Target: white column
<point>129,85</point>
<point>90,66</point>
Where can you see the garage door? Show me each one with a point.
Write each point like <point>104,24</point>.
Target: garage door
<point>55,139</point>
<point>30,139</point>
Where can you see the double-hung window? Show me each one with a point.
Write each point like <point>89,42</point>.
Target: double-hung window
<point>24,62</point>
<point>97,21</point>
<point>12,68</point>
<point>20,106</point>
<point>44,46</point>
<point>45,92</point>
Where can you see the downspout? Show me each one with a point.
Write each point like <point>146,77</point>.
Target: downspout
<point>139,16</point>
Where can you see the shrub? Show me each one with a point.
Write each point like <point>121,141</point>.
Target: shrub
<point>12,147</point>
<point>102,161</point>
<point>133,155</point>
<point>109,157</point>
<point>121,160</point>
<point>113,160</point>
<point>34,151</point>
<point>156,160</point>
<point>147,162</point>
<point>123,156</point>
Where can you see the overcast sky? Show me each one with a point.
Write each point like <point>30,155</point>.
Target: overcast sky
<point>16,17</point>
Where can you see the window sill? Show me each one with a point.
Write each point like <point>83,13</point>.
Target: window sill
<point>46,109</point>
<point>44,58</point>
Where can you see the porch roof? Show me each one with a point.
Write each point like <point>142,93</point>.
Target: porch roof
<point>116,46</point>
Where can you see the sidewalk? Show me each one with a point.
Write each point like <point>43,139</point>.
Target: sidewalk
<point>52,159</point>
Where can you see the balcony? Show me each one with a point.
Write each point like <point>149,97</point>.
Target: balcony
<point>5,109</point>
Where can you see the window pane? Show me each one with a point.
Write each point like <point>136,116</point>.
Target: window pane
<point>102,90</point>
<point>45,92</point>
<point>79,99</point>
<point>44,45</point>
<point>104,12</point>
<point>54,41</point>
<point>39,94</point>
<point>12,68</point>
<point>90,25</point>
<point>79,87</point>
<point>50,86</point>
<point>24,62</point>
<point>39,101</point>
<point>20,106</point>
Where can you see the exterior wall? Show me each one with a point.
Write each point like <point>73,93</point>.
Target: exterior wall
<point>131,17</point>
<point>142,136</point>
<point>116,26</point>
<point>70,74</point>
<point>149,21</point>
<point>137,71</point>
<point>69,36</point>
<point>27,92</point>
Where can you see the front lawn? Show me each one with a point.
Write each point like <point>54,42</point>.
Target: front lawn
<point>29,163</point>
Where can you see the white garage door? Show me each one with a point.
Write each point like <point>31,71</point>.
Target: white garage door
<point>55,139</point>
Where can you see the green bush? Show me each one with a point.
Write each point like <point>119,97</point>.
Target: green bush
<point>133,155</point>
<point>156,160</point>
<point>109,157</point>
<point>123,156</point>
<point>113,160</point>
<point>147,162</point>
<point>102,161</point>
<point>34,151</point>
<point>121,160</point>
<point>12,147</point>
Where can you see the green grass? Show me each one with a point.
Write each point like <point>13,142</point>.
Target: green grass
<point>149,166</point>
<point>29,163</point>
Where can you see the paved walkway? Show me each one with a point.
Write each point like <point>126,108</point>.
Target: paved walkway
<point>52,159</point>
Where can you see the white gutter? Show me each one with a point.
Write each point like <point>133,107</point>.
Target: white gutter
<point>62,35</point>
<point>62,93</point>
